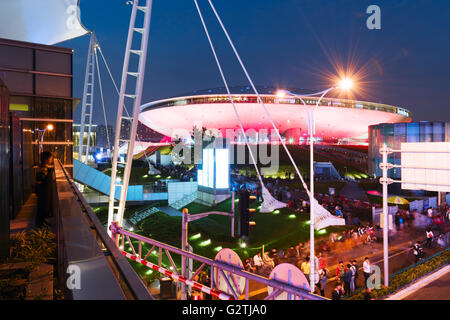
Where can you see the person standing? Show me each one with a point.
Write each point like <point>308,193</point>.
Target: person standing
<point>257,261</point>
<point>248,266</point>
<point>367,294</point>
<point>268,261</point>
<point>322,261</point>
<point>353,271</point>
<point>306,268</point>
<point>340,271</point>
<point>323,274</point>
<point>44,188</point>
<point>367,269</point>
<point>348,278</point>
<point>355,265</point>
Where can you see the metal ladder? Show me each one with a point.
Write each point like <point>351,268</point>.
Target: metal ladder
<point>88,100</point>
<point>115,212</point>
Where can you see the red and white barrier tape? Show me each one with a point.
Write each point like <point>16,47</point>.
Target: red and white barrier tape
<point>195,285</point>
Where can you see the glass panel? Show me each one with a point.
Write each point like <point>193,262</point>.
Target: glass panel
<point>438,131</point>
<point>412,132</point>
<point>426,132</point>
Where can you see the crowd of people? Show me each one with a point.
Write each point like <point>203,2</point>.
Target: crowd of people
<point>346,274</point>
<point>183,173</point>
<point>295,198</point>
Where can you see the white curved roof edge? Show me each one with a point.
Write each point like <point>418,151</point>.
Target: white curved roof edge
<point>45,21</point>
<point>151,103</point>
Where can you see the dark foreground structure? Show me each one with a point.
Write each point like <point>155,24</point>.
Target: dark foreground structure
<point>35,92</point>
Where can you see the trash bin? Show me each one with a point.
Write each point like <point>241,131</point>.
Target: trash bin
<point>165,289</point>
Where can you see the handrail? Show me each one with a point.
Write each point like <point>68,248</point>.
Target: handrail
<point>116,231</point>
<point>123,274</point>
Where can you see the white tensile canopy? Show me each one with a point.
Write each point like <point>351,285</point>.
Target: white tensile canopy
<point>44,21</point>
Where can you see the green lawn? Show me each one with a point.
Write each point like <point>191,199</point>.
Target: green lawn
<point>279,229</point>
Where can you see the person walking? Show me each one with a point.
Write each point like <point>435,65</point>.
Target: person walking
<point>429,235</point>
<point>430,215</point>
<point>367,270</point>
<point>416,252</point>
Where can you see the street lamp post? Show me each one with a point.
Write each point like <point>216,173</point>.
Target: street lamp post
<point>185,219</point>
<point>385,166</point>
<point>41,133</point>
<point>345,84</point>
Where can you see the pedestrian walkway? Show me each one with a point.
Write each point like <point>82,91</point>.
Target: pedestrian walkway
<point>352,190</point>
<point>171,211</point>
<point>399,257</point>
<point>26,217</point>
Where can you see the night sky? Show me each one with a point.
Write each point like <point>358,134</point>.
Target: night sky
<point>285,43</point>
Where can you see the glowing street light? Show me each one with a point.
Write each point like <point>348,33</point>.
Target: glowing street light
<point>345,84</point>
<point>41,133</point>
<point>281,93</point>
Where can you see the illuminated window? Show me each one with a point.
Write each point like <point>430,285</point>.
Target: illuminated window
<point>222,168</point>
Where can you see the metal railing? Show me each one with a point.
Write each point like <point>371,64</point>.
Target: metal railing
<point>230,273</point>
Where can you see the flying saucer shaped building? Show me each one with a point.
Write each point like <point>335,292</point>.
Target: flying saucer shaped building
<point>338,121</point>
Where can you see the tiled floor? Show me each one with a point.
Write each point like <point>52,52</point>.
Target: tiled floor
<point>26,217</point>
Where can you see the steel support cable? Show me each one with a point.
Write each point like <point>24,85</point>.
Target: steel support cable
<point>257,94</point>
<point>228,91</point>
<point>112,79</point>
<point>102,99</point>
<point>118,93</point>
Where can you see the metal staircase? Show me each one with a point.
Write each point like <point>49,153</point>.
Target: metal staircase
<point>88,100</point>
<point>142,214</point>
<point>115,211</point>
<point>184,201</point>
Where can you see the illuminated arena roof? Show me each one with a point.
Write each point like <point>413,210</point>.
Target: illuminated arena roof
<point>337,120</point>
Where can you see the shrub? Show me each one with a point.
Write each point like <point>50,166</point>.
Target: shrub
<point>34,246</point>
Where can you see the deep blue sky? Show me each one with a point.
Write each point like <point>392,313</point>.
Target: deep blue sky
<point>284,43</point>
